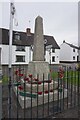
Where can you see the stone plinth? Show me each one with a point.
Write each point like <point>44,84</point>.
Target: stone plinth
<point>40,98</point>
<point>40,87</point>
<point>39,68</point>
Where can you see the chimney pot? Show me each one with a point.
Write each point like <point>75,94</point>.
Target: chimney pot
<point>63,41</point>
<point>28,31</point>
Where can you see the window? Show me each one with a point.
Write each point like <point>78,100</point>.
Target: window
<point>53,59</point>
<point>73,57</point>
<point>16,36</point>
<point>53,50</point>
<point>73,50</point>
<point>20,48</point>
<point>20,58</point>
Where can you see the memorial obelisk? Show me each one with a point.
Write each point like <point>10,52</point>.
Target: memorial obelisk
<point>38,51</point>
<point>38,66</point>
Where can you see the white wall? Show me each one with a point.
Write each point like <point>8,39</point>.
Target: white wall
<point>66,53</point>
<point>47,57</point>
<point>0,53</point>
<point>79,27</point>
<point>5,55</point>
<point>79,46</point>
<point>0,56</point>
<point>74,54</point>
<point>56,54</point>
<point>79,55</point>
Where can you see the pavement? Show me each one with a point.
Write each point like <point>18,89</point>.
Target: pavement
<point>70,113</point>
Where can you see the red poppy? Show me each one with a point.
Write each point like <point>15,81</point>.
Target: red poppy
<point>46,92</point>
<point>16,72</point>
<point>36,79</point>
<point>51,90</point>
<point>39,93</point>
<point>20,75</point>
<point>61,75</point>
<point>30,75</point>
<point>20,87</point>
<point>39,82</point>
<point>26,79</point>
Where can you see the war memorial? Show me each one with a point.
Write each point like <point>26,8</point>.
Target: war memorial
<point>39,85</point>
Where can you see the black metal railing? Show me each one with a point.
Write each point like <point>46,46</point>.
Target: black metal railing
<point>34,98</point>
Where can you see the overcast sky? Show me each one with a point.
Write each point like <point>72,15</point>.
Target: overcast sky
<point>60,19</point>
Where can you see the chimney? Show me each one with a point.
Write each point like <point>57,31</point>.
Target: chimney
<point>28,32</point>
<point>63,41</point>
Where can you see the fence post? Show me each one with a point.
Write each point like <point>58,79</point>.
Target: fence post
<point>67,77</point>
<point>37,94</point>
<point>78,92</point>
<point>9,98</point>
<point>43,97</point>
<point>0,94</point>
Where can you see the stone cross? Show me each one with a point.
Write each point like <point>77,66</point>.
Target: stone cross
<point>38,49</point>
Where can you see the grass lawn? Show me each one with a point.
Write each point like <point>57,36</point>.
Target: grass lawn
<point>5,80</point>
<point>70,76</point>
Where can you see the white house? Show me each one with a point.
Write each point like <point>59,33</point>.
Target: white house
<point>68,53</point>
<point>52,56</point>
<point>22,46</point>
<point>0,55</point>
<point>79,28</point>
<point>79,49</point>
